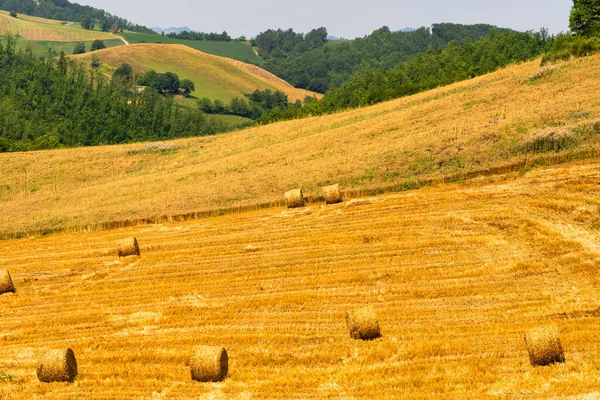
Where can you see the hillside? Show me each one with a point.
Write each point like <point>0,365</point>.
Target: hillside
<point>237,50</point>
<point>456,273</point>
<point>215,77</point>
<point>502,121</point>
<point>40,29</point>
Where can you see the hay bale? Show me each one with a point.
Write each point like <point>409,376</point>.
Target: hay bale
<point>209,364</point>
<point>543,345</point>
<point>294,198</point>
<point>332,194</point>
<point>128,247</point>
<point>6,284</point>
<point>57,366</point>
<point>363,324</point>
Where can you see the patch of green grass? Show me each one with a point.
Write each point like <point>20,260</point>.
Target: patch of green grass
<point>237,50</point>
<point>4,377</point>
<point>41,48</point>
<point>231,121</point>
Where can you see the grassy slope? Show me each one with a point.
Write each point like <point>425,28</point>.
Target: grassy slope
<point>456,273</point>
<point>41,47</point>
<point>469,127</point>
<point>34,29</point>
<point>236,50</point>
<point>215,77</point>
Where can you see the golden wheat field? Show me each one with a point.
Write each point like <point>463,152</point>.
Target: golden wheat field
<point>481,126</point>
<point>456,272</point>
<point>33,28</point>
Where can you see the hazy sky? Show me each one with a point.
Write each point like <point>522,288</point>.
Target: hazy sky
<point>348,18</point>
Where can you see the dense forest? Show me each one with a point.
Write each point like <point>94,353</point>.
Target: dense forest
<point>63,10</point>
<point>56,102</point>
<point>312,62</point>
<point>191,35</point>
<point>424,71</point>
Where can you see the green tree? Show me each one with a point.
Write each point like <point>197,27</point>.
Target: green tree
<point>88,23</point>
<point>13,14</point>
<point>95,63</point>
<point>79,48</point>
<point>188,87</point>
<point>97,45</point>
<point>124,73</point>
<point>205,104</point>
<point>172,83</point>
<point>585,17</point>
<point>105,25</point>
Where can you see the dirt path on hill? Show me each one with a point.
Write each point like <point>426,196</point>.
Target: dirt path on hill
<point>122,39</point>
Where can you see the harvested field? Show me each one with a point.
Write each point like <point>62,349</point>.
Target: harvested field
<point>488,125</point>
<point>40,29</point>
<point>456,273</point>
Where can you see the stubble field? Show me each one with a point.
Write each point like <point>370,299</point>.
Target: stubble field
<point>456,272</point>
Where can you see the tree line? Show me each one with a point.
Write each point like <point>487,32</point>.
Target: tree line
<point>584,39</point>
<point>63,10</point>
<point>312,62</point>
<point>257,105</point>
<point>56,102</point>
<point>216,37</point>
<point>424,71</point>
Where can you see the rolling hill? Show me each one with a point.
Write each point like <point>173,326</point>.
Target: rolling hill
<point>512,119</point>
<point>42,34</point>
<point>215,77</point>
<point>471,216</point>
<point>240,51</point>
<point>40,29</point>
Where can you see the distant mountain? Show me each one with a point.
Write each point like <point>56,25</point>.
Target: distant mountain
<point>332,37</point>
<point>171,30</point>
<point>407,30</point>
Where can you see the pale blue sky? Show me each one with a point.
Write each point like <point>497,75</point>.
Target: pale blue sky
<point>348,18</point>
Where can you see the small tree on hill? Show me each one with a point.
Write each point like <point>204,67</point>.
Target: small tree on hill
<point>124,73</point>
<point>97,45</point>
<point>585,17</point>
<point>79,48</point>
<point>105,25</point>
<point>13,14</point>
<point>95,63</point>
<point>188,87</point>
<point>88,23</point>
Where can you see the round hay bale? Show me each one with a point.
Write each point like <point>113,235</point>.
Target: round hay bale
<point>128,247</point>
<point>57,366</point>
<point>363,324</point>
<point>332,194</point>
<point>6,284</point>
<point>209,364</point>
<point>294,198</point>
<point>543,345</point>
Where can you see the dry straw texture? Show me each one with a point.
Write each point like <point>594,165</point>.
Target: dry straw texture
<point>209,364</point>
<point>128,247</point>
<point>294,198</point>
<point>332,194</point>
<point>6,284</point>
<point>57,366</point>
<point>543,345</point>
<point>472,127</point>
<point>363,324</point>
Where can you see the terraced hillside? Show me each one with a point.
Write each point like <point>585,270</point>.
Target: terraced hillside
<point>456,274</point>
<point>41,29</point>
<point>215,77</point>
<point>512,119</point>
